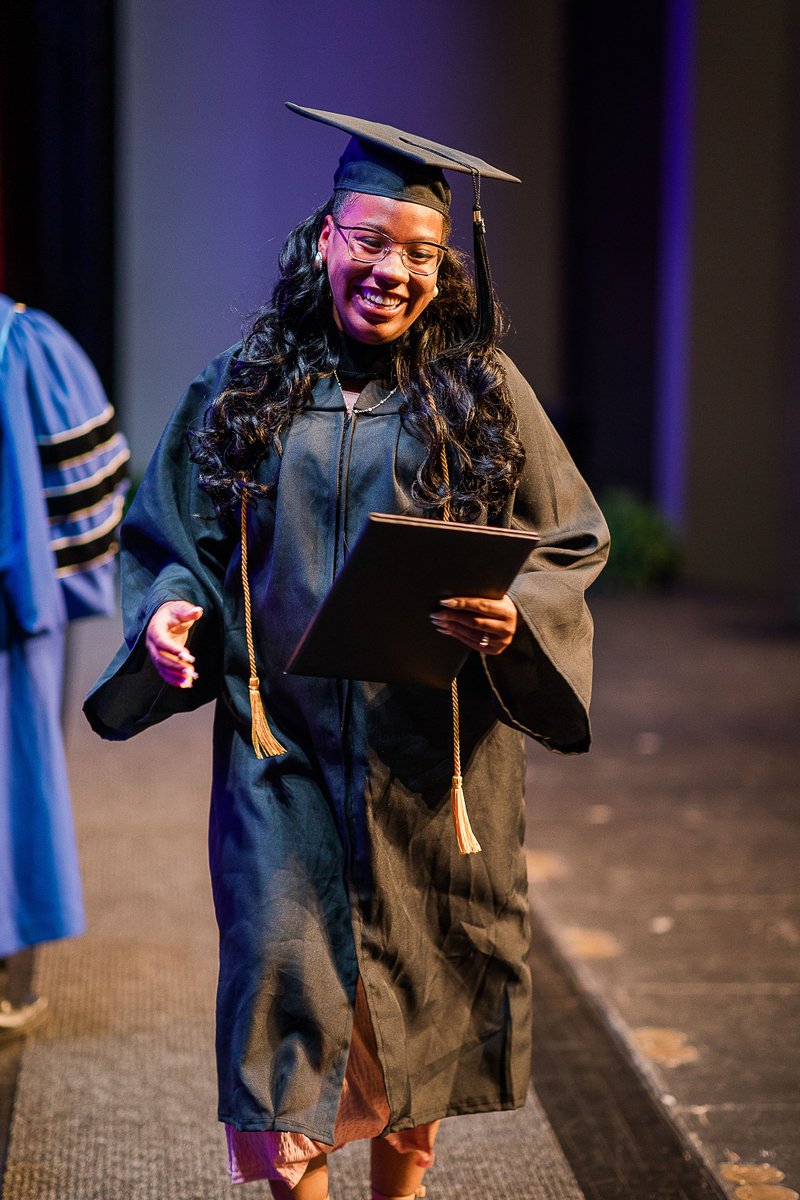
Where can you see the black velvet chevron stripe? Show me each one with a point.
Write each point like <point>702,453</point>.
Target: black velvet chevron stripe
<point>82,554</point>
<point>82,442</point>
<point>87,496</point>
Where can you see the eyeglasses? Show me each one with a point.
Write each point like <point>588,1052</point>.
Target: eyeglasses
<point>369,246</point>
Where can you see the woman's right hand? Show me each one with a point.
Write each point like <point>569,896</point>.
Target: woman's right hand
<point>166,642</point>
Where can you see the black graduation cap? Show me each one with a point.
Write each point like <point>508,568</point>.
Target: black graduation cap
<point>381,160</point>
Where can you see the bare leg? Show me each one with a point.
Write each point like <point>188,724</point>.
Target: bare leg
<point>313,1185</point>
<point>395,1174</point>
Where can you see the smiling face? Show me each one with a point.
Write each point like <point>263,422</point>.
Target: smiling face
<point>378,302</point>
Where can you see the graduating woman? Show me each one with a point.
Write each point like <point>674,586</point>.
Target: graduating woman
<point>373,975</point>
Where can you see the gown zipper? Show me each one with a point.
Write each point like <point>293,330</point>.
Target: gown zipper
<point>343,686</point>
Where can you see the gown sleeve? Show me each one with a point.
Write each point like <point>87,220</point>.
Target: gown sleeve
<point>172,547</point>
<point>82,461</point>
<point>542,683</point>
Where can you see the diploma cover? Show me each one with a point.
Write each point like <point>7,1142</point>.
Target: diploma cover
<point>374,624</point>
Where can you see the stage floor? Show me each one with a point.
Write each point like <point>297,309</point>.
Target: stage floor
<point>666,918</point>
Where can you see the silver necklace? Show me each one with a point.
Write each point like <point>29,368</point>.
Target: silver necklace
<point>371,407</point>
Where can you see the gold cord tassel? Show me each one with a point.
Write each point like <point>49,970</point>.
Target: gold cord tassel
<point>265,744</point>
<point>467,842</point>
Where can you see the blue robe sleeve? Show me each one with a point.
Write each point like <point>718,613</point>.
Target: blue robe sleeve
<point>32,602</point>
<point>542,683</point>
<point>82,457</point>
<point>172,547</point>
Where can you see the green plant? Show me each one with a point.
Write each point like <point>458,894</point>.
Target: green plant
<point>645,551</point>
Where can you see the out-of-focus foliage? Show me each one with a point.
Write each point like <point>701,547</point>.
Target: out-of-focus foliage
<point>645,552</point>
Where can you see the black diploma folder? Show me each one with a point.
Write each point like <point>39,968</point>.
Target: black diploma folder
<point>374,624</point>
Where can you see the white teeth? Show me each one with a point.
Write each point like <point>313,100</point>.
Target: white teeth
<point>380,300</point>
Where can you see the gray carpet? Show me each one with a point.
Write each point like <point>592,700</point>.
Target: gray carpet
<point>116,1097</point>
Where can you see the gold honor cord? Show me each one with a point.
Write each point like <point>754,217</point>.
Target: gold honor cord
<point>265,744</point>
<point>467,842</point>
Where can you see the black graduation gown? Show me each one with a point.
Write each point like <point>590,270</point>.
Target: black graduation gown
<point>339,859</point>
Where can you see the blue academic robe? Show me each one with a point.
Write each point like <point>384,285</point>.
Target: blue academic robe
<point>61,493</point>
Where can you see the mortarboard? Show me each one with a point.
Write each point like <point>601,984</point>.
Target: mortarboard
<point>381,160</point>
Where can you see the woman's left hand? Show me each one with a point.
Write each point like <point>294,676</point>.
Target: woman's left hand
<point>484,625</point>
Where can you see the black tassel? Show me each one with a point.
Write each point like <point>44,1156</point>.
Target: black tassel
<point>484,289</point>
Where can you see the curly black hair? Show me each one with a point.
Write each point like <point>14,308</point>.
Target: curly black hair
<point>454,389</point>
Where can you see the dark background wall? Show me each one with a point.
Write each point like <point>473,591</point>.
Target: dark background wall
<point>57,121</point>
<point>650,262</point>
<point>613,181</point>
<point>743,434</point>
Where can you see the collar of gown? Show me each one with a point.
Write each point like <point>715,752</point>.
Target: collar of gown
<point>358,360</point>
<point>327,396</point>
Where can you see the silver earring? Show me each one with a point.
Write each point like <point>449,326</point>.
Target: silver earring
<point>318,261</point>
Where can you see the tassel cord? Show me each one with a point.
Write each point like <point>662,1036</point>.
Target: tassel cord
<point>484,289</point>
<point>265,744</point>
<point>467,842</point>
